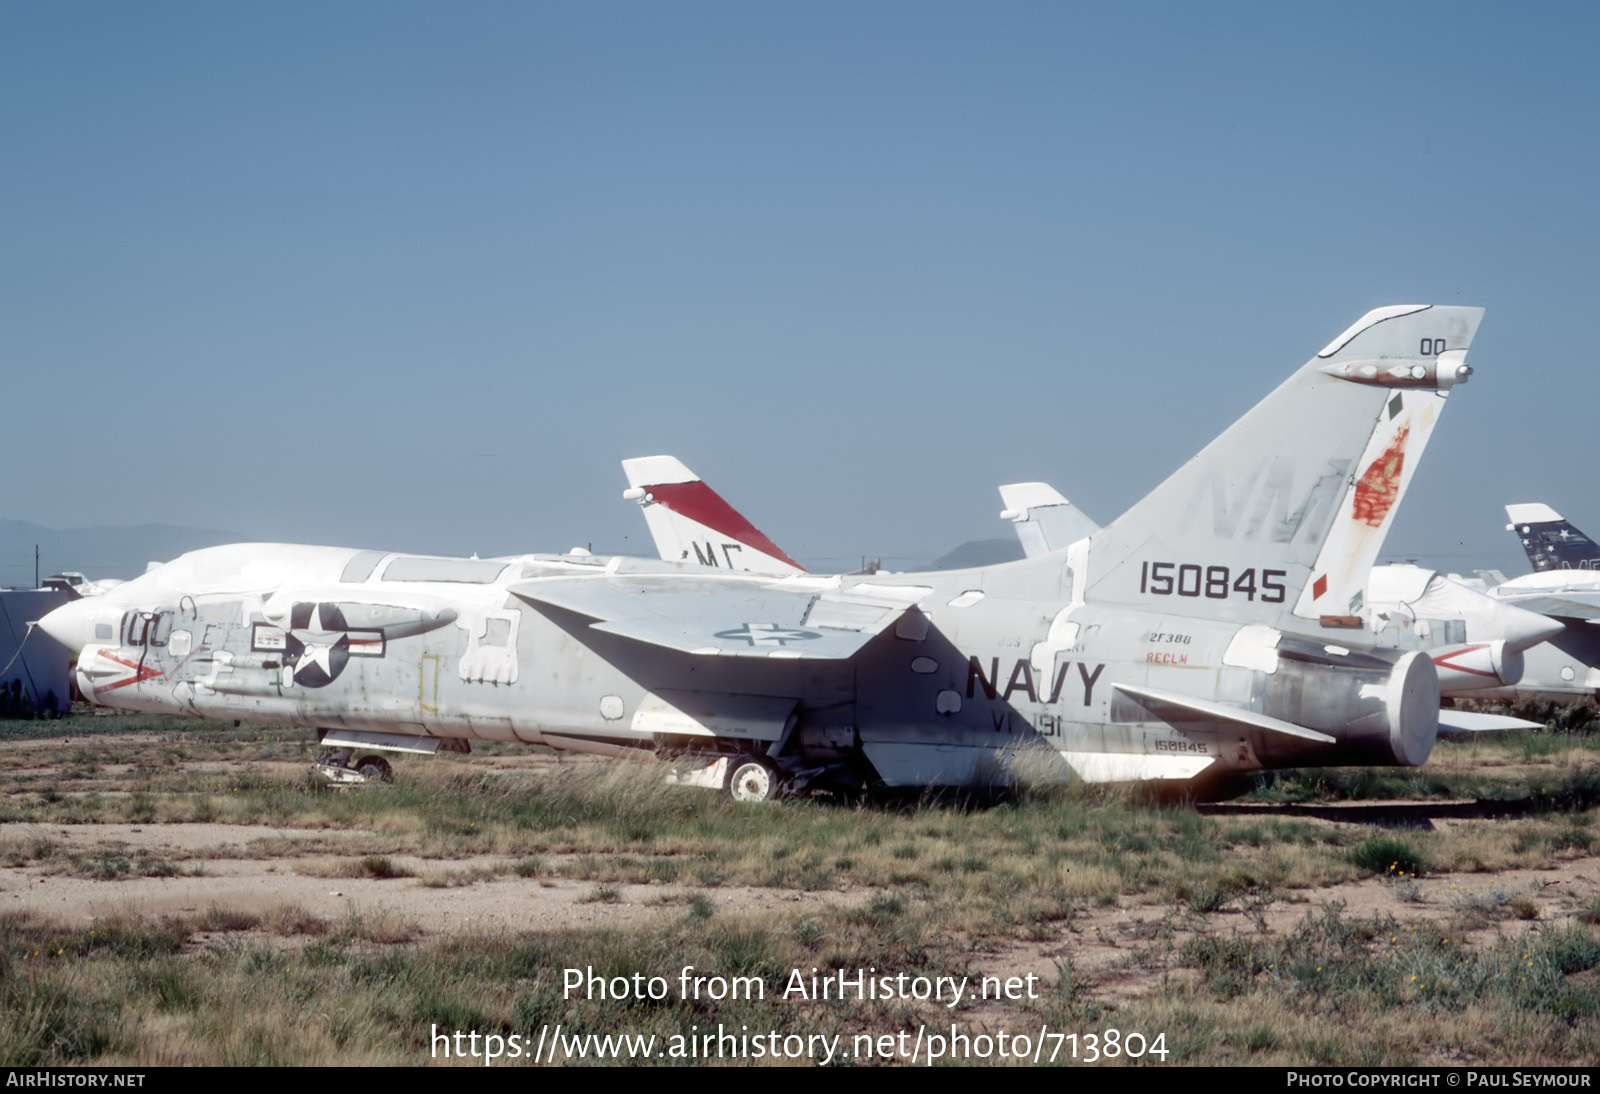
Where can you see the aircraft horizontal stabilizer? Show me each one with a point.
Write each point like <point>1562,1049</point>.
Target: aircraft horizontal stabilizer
<point>1151,698</point>
<point>719,616</point>
<point>1462,721</point>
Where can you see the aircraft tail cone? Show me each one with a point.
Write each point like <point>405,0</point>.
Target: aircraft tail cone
<point>1523,629</point>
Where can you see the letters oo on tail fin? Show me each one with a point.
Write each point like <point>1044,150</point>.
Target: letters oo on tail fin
<point>1283,515</point>
<point>1550,540</point>
<point>690,522</point>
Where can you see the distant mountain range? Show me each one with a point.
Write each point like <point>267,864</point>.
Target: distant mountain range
<point>979,552</point>
<point>106,551</point>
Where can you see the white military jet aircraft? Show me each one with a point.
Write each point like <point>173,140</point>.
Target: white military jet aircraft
<point>75,585</point>
<point>1212,629</point>
<point>1565,583</point>
<point>1565,588</point>
<point>1550,539</point>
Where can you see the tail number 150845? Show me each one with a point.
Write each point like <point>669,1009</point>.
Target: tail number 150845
<point>1215,582</point>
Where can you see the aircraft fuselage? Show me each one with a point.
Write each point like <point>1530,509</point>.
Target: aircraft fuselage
<point>966,688</point>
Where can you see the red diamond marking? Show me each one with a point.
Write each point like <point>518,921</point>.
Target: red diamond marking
<point>1319,587</point>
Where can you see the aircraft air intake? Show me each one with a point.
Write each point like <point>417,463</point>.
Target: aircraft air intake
<point>1479,665</point>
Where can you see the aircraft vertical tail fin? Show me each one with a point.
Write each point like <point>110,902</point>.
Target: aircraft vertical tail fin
<point>690,522</point>
<point>1283,515</point>
<point>1550,540</point>
<point>1043,520</point>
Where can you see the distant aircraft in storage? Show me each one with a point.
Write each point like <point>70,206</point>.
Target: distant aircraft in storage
<point>1565,589</point>
<point>1211,629</point>
<point>1550,540</point>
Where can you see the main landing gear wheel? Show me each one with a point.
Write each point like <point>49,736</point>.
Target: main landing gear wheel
<point>753,780</point>
<point>375,769</point>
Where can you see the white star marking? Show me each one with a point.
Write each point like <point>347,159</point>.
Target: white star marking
<point>318,643</point>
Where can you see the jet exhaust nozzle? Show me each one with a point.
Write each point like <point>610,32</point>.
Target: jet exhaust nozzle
<point>1381,705</point>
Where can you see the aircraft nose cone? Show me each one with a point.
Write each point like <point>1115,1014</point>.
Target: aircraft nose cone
<point>71,624</point>
<point>1523,629</point>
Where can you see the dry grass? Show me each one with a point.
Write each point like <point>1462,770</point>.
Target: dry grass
<point>381,867</point>
<point>1202,927</point>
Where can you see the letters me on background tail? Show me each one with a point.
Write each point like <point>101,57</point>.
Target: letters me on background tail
<point>690,522</point>
<point>1284,514</point>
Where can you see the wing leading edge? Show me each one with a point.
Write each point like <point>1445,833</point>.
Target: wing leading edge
<point>731,617</point>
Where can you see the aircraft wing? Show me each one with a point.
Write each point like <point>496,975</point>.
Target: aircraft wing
<point>1559,604</point>
<point>716,616</point>
<point>1464,721</point>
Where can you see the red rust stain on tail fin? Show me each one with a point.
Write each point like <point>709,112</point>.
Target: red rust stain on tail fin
<point>1377,490</point>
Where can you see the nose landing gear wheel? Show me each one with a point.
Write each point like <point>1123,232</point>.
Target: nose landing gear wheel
<point>375,769</point>
<point>753,781</point>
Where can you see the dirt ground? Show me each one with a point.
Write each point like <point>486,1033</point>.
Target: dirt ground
<point>249,869</point>
<point>256,869</point>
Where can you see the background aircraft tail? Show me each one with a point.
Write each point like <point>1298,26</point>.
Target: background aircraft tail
<point>1283,515</point>
<point>1043,520</point>
<point>691,523</point>
<point>1550,540</point>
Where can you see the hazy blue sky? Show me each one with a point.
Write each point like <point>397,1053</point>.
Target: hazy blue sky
<point>419,275</point>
